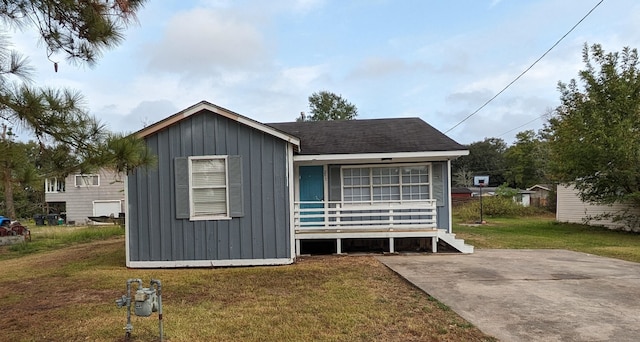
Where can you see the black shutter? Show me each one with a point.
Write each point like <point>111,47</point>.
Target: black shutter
<point>181,173</point>
<point>335,183</point>
<point>236,203</point>
<point>438,170</point>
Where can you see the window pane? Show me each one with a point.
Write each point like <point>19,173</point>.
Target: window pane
<point>87,180</point>
<point>415,192</point>
<point>207,194</point>
<point>208,179</point>
<point>366,193</point>
<point>355,184</point>
<point>210,208</point>
<point>208,187</point>
<point>208,165</point>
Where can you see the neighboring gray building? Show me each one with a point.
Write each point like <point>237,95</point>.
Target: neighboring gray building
<point>230,191</point>
<point>83,195</point>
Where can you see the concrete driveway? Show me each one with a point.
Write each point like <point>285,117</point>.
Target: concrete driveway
<point>533,295</point>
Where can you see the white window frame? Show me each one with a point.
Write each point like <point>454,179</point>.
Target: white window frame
<point>85,182</point>
<point>371,185</point>
<point>192,214</point>
<point>53,185</point>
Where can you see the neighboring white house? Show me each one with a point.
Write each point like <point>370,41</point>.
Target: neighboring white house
<point>83,195</point>
<point>570,208</point>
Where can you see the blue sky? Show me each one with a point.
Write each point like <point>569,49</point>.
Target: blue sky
<point>437,60</point>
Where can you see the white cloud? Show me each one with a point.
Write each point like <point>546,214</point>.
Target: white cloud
<point>382,67</point>
<point>205,41</point>
<point>299,78</point>
<point>145,114</point>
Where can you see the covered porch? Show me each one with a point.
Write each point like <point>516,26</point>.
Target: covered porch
<point>387,180</point>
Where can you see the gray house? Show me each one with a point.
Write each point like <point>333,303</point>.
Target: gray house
<point>230,191</point>
<point>81,196</point>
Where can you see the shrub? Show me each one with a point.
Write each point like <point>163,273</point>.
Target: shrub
<point>494,206</point>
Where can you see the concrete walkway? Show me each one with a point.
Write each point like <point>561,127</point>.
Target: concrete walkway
<point>533,295</point>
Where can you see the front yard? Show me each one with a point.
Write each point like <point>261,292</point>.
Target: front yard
<point>63,286</point>
<point>69,294</point>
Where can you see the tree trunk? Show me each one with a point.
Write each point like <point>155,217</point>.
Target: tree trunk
<point>8,193</point>
<point>6,174</point>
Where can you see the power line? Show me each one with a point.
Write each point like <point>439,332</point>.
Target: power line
<point>527,69</point>
<point>513,129</point>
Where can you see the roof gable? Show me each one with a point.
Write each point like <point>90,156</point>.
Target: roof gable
<point>206,106</point>
<point>545,187</point>
<point>368,136</point>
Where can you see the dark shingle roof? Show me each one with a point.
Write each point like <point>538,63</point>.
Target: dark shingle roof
<point>367,136</point>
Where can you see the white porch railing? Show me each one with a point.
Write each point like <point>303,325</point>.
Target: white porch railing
<point>364,216</point>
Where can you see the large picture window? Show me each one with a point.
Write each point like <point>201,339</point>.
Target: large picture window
<point>208,187</point>
<point>386,183</point>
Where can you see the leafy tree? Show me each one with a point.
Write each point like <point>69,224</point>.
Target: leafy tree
<point>485,158</point>
<point>526,160</point>
<point>595,132</point>
<point>324,105</point>
<point>79,30</point>
<point>463,177</point>
<point>505,191</point>
<point>21,183</point>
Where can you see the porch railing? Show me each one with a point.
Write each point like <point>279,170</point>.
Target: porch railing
<point>351,216</point>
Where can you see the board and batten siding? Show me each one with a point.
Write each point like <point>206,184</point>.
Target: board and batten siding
<point>260,235</point>
<point>570,208</point>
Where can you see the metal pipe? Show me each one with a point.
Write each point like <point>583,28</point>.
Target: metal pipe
<point>129,327</point>
<point>159,292</point>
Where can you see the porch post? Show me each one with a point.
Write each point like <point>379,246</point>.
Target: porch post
<point>338,246</point>
<point>391,245</point>
<point>434,244</point>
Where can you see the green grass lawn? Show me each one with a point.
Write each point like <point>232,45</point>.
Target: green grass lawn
<point>544,232</point>
<point>62,287</point>
<point>47,238</point>
<point>65,290</point>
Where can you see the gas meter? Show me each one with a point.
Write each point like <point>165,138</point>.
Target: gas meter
<point>146,300</point>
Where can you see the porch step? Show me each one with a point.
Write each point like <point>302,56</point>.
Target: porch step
<point>451,240</point>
